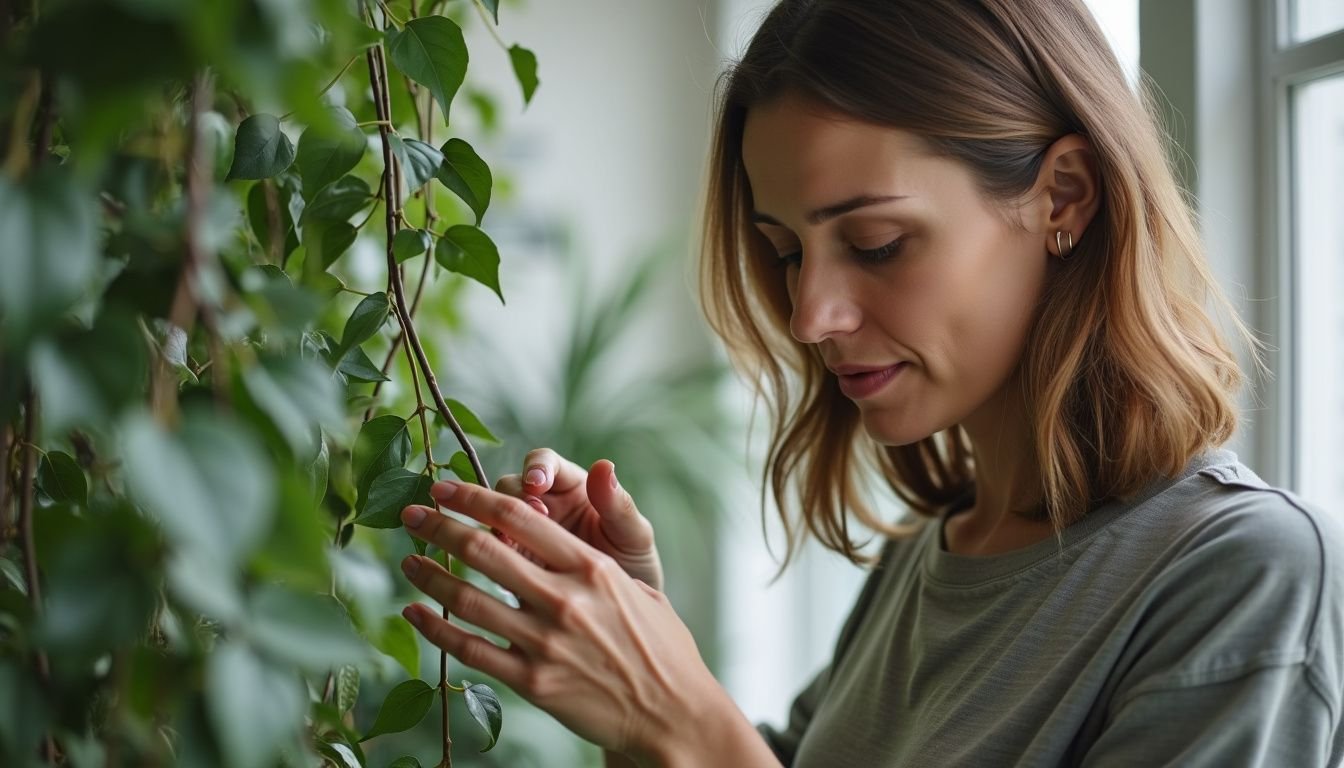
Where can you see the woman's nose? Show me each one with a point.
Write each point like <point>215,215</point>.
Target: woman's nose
<point>823,304</point>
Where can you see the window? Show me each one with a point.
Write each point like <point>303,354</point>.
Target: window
<point>1306,70</point>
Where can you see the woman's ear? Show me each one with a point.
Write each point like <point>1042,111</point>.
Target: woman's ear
<point>1067,193</point>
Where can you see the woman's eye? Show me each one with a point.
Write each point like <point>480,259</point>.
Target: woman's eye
<point>790,259</point>
<point>881,253</point>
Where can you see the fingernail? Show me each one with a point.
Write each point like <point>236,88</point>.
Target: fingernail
<point>444,489</point>
<point>413,516</point>
<point>535,476</point>
<point>411,615</point>
<point>614,484</point>
<point>410,566</point>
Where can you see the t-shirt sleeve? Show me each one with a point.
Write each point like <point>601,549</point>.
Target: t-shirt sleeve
<point>785,742</point>
<point>1236,660</point>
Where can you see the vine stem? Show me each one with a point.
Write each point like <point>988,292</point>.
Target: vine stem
<point>490,25</point>
<point>5,524</point>
<point>185,304</point>
<point>30,545</point>
<point>378,78</point>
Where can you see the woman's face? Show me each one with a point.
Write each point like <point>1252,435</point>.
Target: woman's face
<point>894,258</point>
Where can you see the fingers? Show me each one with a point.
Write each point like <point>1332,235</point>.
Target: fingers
<point>475,651</point>
<point>464,600</point>
<point>544,471</point>
<point>483,552</point>
<point>626,529</point>
<point>539,534</point>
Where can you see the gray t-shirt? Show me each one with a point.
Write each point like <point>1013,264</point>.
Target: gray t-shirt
<point>1201,623</point>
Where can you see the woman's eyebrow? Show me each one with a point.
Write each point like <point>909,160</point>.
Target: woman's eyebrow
<point>822,215</point>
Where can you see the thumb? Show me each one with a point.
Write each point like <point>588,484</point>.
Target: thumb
<point>620,519</point>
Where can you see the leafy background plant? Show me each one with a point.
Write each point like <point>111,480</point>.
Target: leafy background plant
<point>191,367</point>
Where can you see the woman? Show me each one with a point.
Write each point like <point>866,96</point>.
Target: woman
<point>943,239</point>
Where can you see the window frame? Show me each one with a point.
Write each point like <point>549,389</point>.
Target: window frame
<point>1284,64</point>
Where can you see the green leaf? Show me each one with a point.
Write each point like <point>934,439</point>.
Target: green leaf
<point>347,687</point>
<point>15,577</point>
<point>339,200</point>
<point>61,478</point>
<point>88,377</point>
<point>341,755</point>
<point>209,486</point>
<point>383,443</point>
<point>50,252</point>
<point>409,243</point>
<point>328,152</point>
<point>390,493</point>
<point>404,762</point>
<point>310,631</point>
<point>364,322</point>
<point>432,52</point>
<point>493,7</point>
<point>484,707</point>
<point>460,464</point>
<point>299,396</point>
<point>357,366</point>
<point>525,69</point>
<point>260,149</point>
<point>326,240</point>
<point>254,707</point>
<point>467,250</point>
<point>404,707</point>
<point>259,216</point>
<point>419,161</point>
<point>399,640</point>
<point>469,422</point>
<point>466,174</point>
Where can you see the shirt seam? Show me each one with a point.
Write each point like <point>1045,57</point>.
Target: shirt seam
<point>1220,675</point>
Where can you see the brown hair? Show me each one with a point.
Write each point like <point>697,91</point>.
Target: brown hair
<point>1125,374</point>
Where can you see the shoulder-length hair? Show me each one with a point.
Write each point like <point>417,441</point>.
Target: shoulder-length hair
<point>1126,375</point>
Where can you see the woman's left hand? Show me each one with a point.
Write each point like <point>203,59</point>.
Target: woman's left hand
<point>603,653</point>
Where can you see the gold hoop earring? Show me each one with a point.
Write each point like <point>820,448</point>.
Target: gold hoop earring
<point>1059,244</point>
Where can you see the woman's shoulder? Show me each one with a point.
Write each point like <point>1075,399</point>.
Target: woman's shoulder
<point>1221,503</point>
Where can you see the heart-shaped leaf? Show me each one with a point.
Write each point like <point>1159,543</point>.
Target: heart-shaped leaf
<point>404,707</point>
<point>383,443</point>
<point>419,161</point>
<point>460,464</point>
<point>525,69</point>
<point>432,52</point>
<point>364,322</point>
<point>340,200</point>
<point>357,366</point>
<point>61,478</point>
<point>328,152</point>
<point>260,149</point>
<point>466,174</point>
<point>493,7</point>
<point>469,422</point>
<point>391,492</point>
<point>467,250</point>
<point>409,243</point>
<point>484,706</point>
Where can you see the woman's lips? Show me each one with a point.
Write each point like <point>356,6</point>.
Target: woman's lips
<point>856,386</point>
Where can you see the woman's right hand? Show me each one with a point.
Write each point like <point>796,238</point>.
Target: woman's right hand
<point>591,505</point>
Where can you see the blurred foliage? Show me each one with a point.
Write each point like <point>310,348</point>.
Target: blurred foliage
<point>192,425</point>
